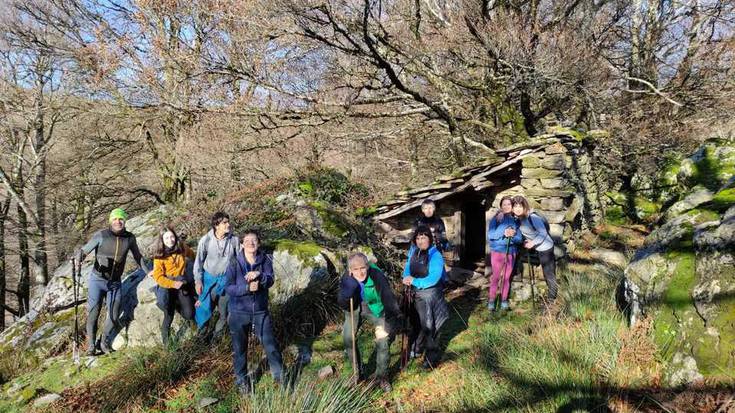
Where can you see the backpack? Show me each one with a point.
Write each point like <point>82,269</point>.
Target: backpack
<point>543,218</point>
<point>208,237</point>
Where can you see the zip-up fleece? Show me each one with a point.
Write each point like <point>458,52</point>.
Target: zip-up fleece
<point>111,249</point>
<point>213,255</point>
<point>377,294</point>
<point>241,298</point>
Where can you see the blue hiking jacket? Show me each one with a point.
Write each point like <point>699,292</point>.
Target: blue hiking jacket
<point>495,238</point>
<point>436,273</point>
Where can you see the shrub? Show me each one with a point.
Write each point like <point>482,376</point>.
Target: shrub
<point>329,185</point>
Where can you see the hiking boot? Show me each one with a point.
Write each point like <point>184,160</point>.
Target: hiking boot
<point>504,306</point>
<point>385,386</point>
<point>106,348</point>
<point>491,306</point>
<point>91,352</point>
<point>548,307</point>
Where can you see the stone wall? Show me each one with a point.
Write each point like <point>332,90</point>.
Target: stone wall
<point>560,184</point>
<point>554,171</point>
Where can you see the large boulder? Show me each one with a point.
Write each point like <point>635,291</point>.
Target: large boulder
<point>684,275</point>
<point>684,278</point>
<point>298,267</point>
<point>710,167</point>
<point>50,321</point>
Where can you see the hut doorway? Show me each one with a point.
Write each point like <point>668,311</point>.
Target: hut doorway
<point>473,253</point>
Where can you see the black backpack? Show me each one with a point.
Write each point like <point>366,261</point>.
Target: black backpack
<point>543,218</point>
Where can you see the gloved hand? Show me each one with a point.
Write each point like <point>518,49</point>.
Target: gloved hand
<point>349,288</point>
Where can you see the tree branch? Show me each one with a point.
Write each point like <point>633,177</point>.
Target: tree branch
<point>10,309</point>
<point>653,89</point>
<point>19,199</point>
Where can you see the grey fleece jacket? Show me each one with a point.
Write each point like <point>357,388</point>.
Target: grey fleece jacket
<point>213,255</point>
<point>111,250</point>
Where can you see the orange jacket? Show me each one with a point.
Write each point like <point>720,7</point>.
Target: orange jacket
<point>172,266</point>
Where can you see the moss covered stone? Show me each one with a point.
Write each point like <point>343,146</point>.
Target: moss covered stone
<point>332,222</point>
<point>678,295</point>
<point>531,162</point>
<point>366,211</point>
<point>711,166</point>
<point>646,209</point>
<point>304,250</point>
<point>540,173</point>
<point>560,130</point>
<point>724,199</point>
<point>615,215</point>
<point>702,215</point>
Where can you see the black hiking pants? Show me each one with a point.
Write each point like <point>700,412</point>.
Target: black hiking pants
<point>99,291</point>
<point>548,266</point>
<point>181,300</point>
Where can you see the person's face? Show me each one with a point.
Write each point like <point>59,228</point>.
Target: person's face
<point>250,243</point>
<point>117,224</point>
<point>359,270</point>
<point>428,210</point>
<point>223,227</point>
<point>518,210</point>
<point>169,239</point>
<point>422,241</point>
<point>506,206</point>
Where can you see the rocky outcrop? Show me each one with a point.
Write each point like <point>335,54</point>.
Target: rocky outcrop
<point>298,266</point>
<point>684,275</point>
<point>50,322</point>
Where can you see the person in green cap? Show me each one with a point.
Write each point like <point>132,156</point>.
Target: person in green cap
<point>111,247</point>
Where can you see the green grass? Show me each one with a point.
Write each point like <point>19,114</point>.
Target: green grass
<point>56,375</point>
<point>519,362</point>
<point>585,357</point>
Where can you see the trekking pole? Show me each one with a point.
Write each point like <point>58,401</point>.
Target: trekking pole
<point>404,338</point>
<point>499,297</point>
<point>354,345</point>
<point>75,347</point>
<point>253,336</point>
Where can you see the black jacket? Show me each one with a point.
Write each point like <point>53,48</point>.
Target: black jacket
<point>438,230</point>
<point>111,250</point>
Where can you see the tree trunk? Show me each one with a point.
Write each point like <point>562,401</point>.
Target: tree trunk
<point>626,188</point>
<point>59,244</point>
<point>634,62</point>
<point>24,283</point>
<point>3,282</point>
<point>41,255</point>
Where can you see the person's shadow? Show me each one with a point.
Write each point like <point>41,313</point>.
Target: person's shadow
<point>459,310</point>
<point>128,301</point>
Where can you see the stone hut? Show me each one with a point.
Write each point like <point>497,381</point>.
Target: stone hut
<point>553,171</point>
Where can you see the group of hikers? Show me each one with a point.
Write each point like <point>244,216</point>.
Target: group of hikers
<point>232,275</point>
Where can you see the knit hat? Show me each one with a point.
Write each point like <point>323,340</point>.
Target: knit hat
<point>118,213</point>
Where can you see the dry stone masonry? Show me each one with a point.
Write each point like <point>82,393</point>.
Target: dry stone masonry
<point>553,171</point>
